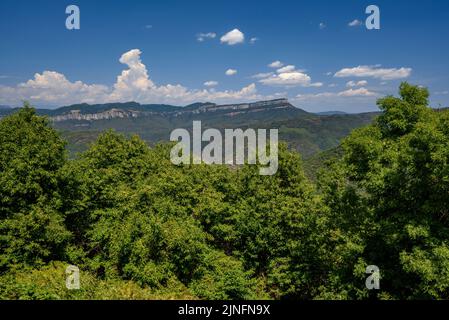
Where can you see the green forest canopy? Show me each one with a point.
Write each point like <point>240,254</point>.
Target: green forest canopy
<point>140,227</point>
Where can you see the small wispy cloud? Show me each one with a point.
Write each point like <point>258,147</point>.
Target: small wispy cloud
<point>211,83</point>
<point>262,75</point>
<point>360,83</point>
<point>374,72</point>
<point>253,40</point>
<point>204,36</point>
<point>360,92</point>
<point>355,23</point>
<point>322,25</point>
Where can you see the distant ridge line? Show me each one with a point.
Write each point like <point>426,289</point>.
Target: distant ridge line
<point>136,110</point>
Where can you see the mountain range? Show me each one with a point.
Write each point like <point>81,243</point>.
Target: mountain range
<point>305,132</point>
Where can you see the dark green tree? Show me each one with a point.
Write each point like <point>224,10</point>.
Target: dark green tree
<point>394,183</point>
<point>31,226</point>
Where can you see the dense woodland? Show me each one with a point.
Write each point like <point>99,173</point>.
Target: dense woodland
<point>140,227</point>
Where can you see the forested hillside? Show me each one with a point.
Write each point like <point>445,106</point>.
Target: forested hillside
<point>139,227</point>
<point>304,132</point>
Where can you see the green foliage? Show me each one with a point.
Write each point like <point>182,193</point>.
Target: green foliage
<point>141,219</point>
<point>140,227</point>
<point>30,154</point>
<point>31,225</point>
<point>221,277</point>
<point>394,179</point>
<point>401,114</point>
<point>48,283</point>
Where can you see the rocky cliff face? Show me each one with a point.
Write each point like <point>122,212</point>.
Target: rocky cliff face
<point>229,110</point>
<point>109,114</point>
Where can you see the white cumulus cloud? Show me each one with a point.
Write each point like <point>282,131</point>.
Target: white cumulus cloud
<point>356,92</point>
<point>233,37</point>
<point>295,78</point>
<point>231,72</point>
<point>287,76</point>
<point>276,64</point>
<point>286,69</point>
<point>51,88</point>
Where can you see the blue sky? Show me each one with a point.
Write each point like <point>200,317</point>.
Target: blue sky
<point>150,52</point>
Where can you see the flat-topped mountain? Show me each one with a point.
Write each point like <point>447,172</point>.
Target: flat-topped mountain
<point>306,132</point>
<point>136,110</point>
<point>87,112</point>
